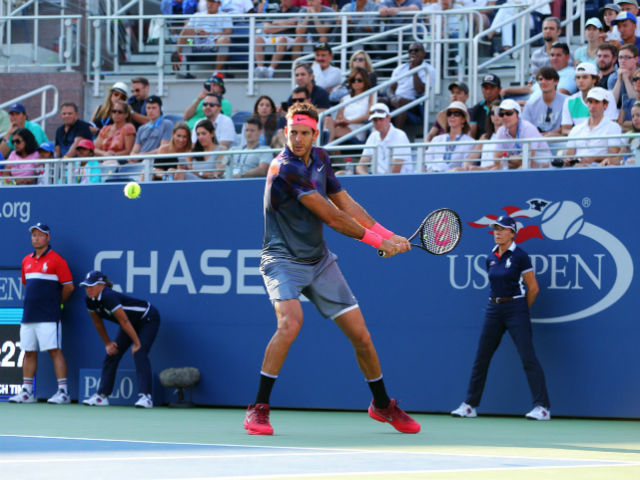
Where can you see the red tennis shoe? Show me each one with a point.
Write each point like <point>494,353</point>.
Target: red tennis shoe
<point>256,420</point>
<point>395,416</point>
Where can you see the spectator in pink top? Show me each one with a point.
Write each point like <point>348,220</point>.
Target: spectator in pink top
<point>26,148</point>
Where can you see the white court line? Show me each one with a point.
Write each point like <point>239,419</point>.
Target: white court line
<point>316,449</point>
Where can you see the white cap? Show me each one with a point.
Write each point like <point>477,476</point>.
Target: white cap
<point>588,68</point>
<point>122,88</point>
<point>595,22</point>
<point>598,93</point>
<point>509,104</point>
<point>379,110</point>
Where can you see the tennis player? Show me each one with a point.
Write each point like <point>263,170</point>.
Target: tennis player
<point>509,270</point>
<point>301,194</point>
<point>138,321</point>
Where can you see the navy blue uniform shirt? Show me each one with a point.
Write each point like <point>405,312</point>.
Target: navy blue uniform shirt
<point>505,272</point>
<point>109,301</point>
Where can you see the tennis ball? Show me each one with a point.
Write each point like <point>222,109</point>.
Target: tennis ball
<point>562,220</point>
<point>132,190</point>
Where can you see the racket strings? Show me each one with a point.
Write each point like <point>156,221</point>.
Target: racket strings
<point>441,232</point>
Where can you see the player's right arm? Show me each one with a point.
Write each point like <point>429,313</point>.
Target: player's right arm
<point>340,221</point>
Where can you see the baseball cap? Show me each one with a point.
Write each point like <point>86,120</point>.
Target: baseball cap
<point>611,6</point>
<point>632,2</point>
<point>622,16</point>
<point>461,85</point>
<point>17,107</point>
<point>94,277</point>
<point>121,87</point>
<point>42,227</point>
<point>154,99</point>
<point>491,79</point>
<point>509,104</point>
<point>595,22</point>
<point>379,110</point>
<point>47,147</point>
<point>322,46</point>
<point>588,68</point>
<point>597,93</point>
<point>86,143</point>
<point>504,221</point>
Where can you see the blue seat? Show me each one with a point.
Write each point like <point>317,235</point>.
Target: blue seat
<point>173,118</point>
<point>239,118</point>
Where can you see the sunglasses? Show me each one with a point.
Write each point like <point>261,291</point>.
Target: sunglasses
<point>506,113</point>
<point>298,100</point>
<point>117,111</point>
<point>207,104</point>
<point>358,59</point>
<point>455,113</point>
<point>635,79</point>
<point>17,141</point>
<point>356,80</point>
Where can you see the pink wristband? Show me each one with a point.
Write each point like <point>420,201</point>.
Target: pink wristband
<point>383,232</point>
<point>371,238</point>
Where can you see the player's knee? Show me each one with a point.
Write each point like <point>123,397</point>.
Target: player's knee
<point>362,341</point>
<point>290,326</point>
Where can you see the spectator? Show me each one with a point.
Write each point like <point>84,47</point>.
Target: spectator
<point>633,147</point>
<point>304,78</point>
<point>102,114</point>
<point>458,92</point>
<point>385,138</point>
<point>593,34</point>
<point>118,137</point>
<point>606,62</point>
<point>86,171</point>
<point>389,10</point>
<point>361,26</point>
<point>19,119</point>
<point>619,82</point>
<point>509,10</point>
<point>180,145</point>
<point>575,108</point>
<point>138,101</point>
<point>515,128</point>
<point>46,151</point>
<point>443,158</point>
<point>250,164</point>
<point>545,112</point>
<point>630,6</point>
<point>561,61</point>
<point>551,31</point>
<point>326,75</point>
<point>408,88</point>
<point>485,152</point>
<point>206,166</point>
<point>26,148</point>
<point>48,285</point>
<point>195,112</point>
<point>353,115</point>
<point>156,132</point>
<point>582,151</point>
<point>210,33</point>
<point>225,130</point>
<point>71,131</point>
<point>626,23</point>
<point>626,112</point>
<point>359,58</point>
<point>491,86</point>
<point>281,33</point>
<point>314,28</point>
<point>609,12</point>
<point>264,110</point>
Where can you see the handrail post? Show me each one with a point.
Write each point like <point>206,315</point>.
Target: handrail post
<point>68,28</point>
<point>252,57</point>
<point>36,33</point>
<point>526,154</point>
<point>97,58</point>
<point>343,40</point>
<point>160,61</point>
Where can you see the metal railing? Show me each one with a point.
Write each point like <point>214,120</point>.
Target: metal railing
<point>43,115</point>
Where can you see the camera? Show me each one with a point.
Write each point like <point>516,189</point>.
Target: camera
<point>207,86</point>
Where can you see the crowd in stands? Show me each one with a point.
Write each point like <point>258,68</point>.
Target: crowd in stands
<point>572,96</point>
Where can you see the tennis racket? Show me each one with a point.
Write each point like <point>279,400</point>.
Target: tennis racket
<point>439,232</point>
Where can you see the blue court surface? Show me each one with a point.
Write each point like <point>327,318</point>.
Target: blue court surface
<point>76,442</point>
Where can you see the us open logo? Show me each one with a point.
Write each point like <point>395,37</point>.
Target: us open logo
<point>588,270</point>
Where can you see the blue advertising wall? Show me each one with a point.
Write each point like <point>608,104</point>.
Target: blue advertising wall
<point>192,249</point>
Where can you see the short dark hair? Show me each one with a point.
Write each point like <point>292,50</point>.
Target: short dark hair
<point>70,104</point>
<point>141,80</point>
<point>549,73</point>
<point>301,90</point>
<point>254,121</point>
<point>214,95</point>
<point>632,48</point>
<point>610,47</point>
<point>563,46</point>
<point>306,66</point>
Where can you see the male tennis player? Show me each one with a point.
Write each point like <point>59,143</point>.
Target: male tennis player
<point>301,194</point>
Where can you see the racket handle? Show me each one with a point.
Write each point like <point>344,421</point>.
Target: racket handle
<point>381,253</point>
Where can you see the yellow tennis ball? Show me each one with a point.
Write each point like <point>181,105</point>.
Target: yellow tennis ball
<point>132,190</point>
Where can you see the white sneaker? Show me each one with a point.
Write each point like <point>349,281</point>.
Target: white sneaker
<point>144,401</point>
<point>97,400</point>
<point>23,397</point>
<point>270,72</point>
<point>464,410</point>
<point>60,397</point>
<point>261,72</point>
<point>539,413</point>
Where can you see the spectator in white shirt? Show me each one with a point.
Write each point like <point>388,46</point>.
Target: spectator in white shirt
<point>443,158</point>
<point>326,75</point>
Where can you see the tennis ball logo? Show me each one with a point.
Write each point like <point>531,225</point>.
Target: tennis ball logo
<point>132,190</point>
<point>562,220</point>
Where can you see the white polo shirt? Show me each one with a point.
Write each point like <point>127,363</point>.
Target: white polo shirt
<point>385,156</point>
<point>405,87</point>
<point>225,130</point>
<point>596,147</point>
<point>328,78</point>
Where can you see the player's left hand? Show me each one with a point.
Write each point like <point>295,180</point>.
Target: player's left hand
<point>401,242</point>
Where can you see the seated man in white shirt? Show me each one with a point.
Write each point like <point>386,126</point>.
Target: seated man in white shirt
<point>326,75</point>
<point>382,139</point>
<point>583,151</point>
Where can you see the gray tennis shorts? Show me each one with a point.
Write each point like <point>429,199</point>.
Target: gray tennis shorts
<point>322,283</point>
